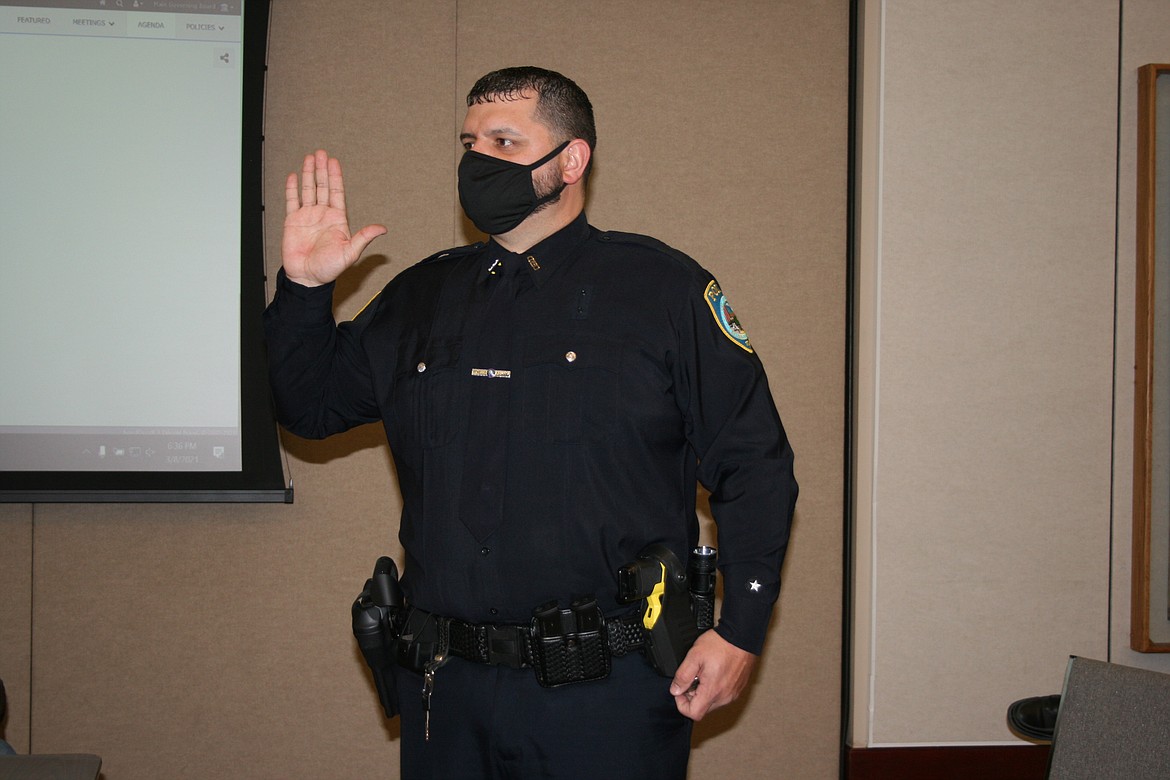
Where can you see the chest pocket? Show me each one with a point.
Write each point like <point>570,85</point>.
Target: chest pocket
<point>571,387</point>
<point>430,396</point>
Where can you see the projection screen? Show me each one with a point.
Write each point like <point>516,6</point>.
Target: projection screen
<point>131,362</point>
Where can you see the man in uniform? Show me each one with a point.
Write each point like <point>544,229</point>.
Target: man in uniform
<point>550,397</point>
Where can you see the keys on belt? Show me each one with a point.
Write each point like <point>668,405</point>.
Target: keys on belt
<point>442,655</point>
<point>428,689</point>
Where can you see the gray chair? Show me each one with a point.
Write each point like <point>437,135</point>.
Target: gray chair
<point>74,766</point>
<point>1114,722</point>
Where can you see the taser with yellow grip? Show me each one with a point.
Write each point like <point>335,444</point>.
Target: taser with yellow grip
<point>660,581</point>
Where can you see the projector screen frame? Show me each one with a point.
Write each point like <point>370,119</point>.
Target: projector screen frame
<point>261,478</point>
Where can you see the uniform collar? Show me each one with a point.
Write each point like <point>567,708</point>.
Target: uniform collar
<point>543,259</point>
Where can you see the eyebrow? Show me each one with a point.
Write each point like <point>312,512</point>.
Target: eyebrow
<point>492,133</point>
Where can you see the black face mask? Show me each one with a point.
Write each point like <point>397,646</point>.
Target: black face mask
<point>497,195</point>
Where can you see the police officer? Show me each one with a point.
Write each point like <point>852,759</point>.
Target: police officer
<point>550,397</point>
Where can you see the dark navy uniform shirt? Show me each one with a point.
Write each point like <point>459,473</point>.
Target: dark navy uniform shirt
<point>549,414</point>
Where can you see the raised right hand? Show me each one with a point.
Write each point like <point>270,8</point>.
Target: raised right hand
<point>317,245</point>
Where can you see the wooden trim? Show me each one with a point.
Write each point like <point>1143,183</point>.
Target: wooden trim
<point>965,762</point>
<point>1139,624</point>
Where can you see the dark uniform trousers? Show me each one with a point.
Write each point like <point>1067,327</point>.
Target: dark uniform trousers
<point>497,722</point>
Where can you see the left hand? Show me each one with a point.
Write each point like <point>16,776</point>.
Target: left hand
<point>722,669</point>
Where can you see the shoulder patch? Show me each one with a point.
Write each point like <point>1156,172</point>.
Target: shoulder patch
<point>724,316</point>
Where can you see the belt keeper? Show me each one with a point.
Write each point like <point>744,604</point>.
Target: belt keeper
<point>505,645</point>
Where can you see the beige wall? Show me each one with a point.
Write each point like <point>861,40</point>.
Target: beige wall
<point>995,413</point>
<point>214,641</point>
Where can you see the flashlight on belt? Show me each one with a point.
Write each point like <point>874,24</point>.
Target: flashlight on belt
<point>701,582</point>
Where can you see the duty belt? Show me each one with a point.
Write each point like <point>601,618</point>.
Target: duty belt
<point>513,645</point>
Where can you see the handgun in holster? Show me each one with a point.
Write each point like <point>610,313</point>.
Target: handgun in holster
<point>377,616</point>
<point>677,605</point>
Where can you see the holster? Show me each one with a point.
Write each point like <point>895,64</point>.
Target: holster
<point>377,614</point>
<point>658,582</point>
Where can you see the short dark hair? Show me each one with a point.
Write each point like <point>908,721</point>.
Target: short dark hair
<point>561,104</point>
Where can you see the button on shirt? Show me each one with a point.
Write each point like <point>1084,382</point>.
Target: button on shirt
<point>543,438</point>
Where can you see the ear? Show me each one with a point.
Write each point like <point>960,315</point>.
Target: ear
<point>575,161</point>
